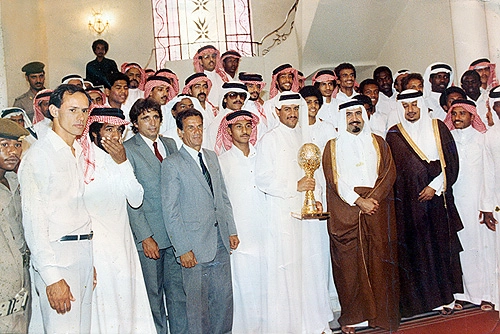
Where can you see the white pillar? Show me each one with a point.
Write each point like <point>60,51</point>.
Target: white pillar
<point>493,26</point>
<point>470,37</point>
<point>3,76</point>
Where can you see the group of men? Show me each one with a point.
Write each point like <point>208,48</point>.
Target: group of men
<point>148,190</point>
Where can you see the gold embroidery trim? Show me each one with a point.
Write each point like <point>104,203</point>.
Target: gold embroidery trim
<point>437,137</point>
<point>412,143</point>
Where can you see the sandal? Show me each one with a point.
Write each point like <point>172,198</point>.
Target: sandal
<point>445,311</point>
<point>459,305</point>
<point>348,330</point>
<point>486,306</point>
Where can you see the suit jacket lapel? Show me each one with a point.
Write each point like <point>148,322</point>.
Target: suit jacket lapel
<point>195,170</point>
<point>146,152</point>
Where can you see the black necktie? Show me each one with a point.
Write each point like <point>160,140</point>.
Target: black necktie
<point>157,153</point>
<point>205,172</point>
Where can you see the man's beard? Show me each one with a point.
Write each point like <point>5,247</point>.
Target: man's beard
<point>356,127</point>
<point>134,85</point>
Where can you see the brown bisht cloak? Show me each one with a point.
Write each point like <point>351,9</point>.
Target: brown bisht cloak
<point>428,244</point>
<point>363,248</point>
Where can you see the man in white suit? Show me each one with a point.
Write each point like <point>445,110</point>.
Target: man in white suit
<point>199,220</point>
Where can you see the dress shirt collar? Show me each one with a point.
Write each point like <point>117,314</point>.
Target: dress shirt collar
<point>60,144</point>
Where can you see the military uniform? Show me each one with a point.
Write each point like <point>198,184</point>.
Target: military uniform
<point>25,102</point>
<point>14,279</point>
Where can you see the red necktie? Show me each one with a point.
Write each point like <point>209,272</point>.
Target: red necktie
<point>157,153</point>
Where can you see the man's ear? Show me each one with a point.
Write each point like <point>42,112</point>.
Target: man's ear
<point>180,133</point>
<point>54,111</point>
<point>107,91</point>
<point>277,111</point>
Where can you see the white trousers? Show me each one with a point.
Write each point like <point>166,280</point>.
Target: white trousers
<point>74,259</point>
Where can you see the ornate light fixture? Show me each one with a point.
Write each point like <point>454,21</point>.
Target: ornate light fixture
<point>97,23</point>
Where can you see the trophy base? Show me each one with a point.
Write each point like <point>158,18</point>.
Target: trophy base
<point>308,216</point>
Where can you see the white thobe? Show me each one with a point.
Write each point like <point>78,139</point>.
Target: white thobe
<point>388,108</point>
<point>490,196</point>
<point>342,97</point>
<point>42,127</point>
<point>120,302</point>
<point>249,260</point>
<point>478,257</point>
<point>292,264</point>
<point>215,94</point>
<point>329,112</point>
<point>321,132</point>
<point>133,95</point>
<point>432,102</point>
<point>168,120</point>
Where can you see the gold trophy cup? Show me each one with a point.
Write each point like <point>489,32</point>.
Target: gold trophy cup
<point>309,158</point>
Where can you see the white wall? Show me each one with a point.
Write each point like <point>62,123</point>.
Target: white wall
<point>398,33</point>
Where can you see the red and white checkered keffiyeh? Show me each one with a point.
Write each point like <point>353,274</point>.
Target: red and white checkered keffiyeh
<point>326,77</point>
<point>492,79</point>
<point>194,81</point>
<point>173,79</point>
<point>88,149</point>
<point>218,62</point>
<point>152,83</point>
<point>43,95</point>
<point>186,88</point>
<point>273,91</point>
<point>477,123</point>
<point>224,140</point>
<point>126,66</point>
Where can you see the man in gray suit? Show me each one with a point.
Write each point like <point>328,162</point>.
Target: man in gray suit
<point>162,273</point>
<point>199,220</point>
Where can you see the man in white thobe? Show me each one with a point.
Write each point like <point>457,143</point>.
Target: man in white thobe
<point>477,241</point>
<point>285,78</point>
<point>490,194</point>
<point>437,77</point>
<point>208,60</point>
<point>109,184</point>
<point>238,134</point>
<point>297,297</point>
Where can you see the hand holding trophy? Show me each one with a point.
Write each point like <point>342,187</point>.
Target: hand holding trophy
<point>309,158</point>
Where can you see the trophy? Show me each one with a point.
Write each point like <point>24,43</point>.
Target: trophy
<point>309,159</point>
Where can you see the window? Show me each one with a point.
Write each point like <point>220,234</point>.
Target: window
<point>181,27</point>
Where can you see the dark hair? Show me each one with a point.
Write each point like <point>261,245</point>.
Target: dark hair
<point>453,89</point>
<point>141,106</point>
<point>406,79</point>
<point>470,73</point>
<point>94,133</point>
<point>381,69</point>
<point>367,82</point>
<point>114,77</point>
<point>57,96</point>
<point>363,98</point>
<point>344,66</point>
<point>307,91</point>
<point>101,42</point>
<point>185,114</point>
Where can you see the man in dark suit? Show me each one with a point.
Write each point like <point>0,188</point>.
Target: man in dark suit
<point>162,273</point>
<point>199,220</point>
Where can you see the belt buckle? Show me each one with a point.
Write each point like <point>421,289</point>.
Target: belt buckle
<point>20,300</point>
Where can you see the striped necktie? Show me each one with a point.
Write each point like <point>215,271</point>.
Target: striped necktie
<point>205,172</point>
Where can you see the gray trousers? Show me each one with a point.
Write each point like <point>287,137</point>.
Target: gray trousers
<point>209,294</point>
<point>163,278</point>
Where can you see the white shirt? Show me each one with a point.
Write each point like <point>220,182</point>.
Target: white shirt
<point>52,190</point>
<point>161,147</point>
<point>194,154</point>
